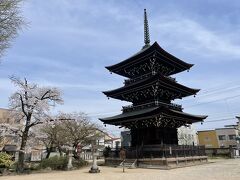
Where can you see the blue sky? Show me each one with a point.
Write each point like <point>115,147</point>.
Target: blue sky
<point>68,43</point>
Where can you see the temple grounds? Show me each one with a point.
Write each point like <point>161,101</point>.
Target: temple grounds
<point>222,169</point>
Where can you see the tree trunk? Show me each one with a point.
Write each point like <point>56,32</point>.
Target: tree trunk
<point>48,152</point>
<point>20,166</point>
<point>75,152</point>
<point>60,150</point>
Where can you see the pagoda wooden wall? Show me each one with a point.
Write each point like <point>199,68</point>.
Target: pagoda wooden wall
<point>153,136</point>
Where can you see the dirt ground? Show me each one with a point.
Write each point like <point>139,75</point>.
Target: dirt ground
<point>215,170</point>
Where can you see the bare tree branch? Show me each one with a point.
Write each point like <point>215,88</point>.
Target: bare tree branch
<point>11,22</point>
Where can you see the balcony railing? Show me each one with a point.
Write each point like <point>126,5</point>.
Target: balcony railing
<point>160,151</point>
<point>132,80</point>
<point>171,78</point>
<point>151,104</point>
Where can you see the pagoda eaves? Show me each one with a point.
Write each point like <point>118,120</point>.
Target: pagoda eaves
<point>154,86</point>
<point>148,58</point>
<point>153,116</point>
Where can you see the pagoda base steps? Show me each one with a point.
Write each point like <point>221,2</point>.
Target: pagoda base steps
<point>158,163</point>
<point>129,163</point>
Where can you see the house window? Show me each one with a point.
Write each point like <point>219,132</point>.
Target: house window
<point>232,137</point>
<point>222,137</point>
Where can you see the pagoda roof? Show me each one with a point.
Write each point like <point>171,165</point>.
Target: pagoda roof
<point>164,82</point>
<point>128,114</point>
<point>167,58</point>
<point>152,112</point>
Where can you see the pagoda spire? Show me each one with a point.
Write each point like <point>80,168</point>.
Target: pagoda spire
<point>146,31</point>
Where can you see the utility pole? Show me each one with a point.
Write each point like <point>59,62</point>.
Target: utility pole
<point>238,137</point>
<point>238,123</point>
<point>238,126</point>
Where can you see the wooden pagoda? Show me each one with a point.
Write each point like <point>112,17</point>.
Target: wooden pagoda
<point>152,118</point>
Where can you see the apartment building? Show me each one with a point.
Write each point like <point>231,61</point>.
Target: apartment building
<point>218,138</point>
<point>227,137</point>
<point>208,139</point>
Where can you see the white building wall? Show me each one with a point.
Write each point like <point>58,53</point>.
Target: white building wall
<point>187,135</point>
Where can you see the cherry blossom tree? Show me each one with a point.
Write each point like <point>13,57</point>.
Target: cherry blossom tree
<point>31,104</point>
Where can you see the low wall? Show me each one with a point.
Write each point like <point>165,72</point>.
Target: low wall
<point>170,163</point>
<point>227,152</point>
<point>161,163</point>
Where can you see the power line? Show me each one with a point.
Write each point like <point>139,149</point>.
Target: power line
<point>219,91</point>
<point>210,92</point>
<point>219,86</point>
<point>193,105</point>
<point>226,115</point>
<point>216,120</point>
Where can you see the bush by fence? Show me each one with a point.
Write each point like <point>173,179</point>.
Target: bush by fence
<point>78,163</point>
<point>60,163</point>
<point>55,163</point>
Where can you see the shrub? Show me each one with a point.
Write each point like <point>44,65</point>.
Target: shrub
<point>106,151</point>
<point>55,163</point>
<point>78,163</point>
<point>5,160</point>
<point>60,163</point>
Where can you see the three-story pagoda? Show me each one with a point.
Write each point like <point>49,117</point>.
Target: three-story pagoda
<point>152,118</point>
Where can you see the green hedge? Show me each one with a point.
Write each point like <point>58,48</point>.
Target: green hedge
<point>78,163</point>
<point>60,163</point>
<point>55,163</point>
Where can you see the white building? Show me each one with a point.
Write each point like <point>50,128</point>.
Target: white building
<point>187,135</point>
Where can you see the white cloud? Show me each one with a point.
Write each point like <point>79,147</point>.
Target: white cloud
<point>191,36</point>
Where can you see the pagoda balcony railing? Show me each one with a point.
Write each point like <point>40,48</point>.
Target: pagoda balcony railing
<point>130,108</point>
<point>132,80</point>
<point>171,78</point>
<point>159,151</point>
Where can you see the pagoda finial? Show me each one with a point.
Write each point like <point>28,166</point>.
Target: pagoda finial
<point>146,31</point>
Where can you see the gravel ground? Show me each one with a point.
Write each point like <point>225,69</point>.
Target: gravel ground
<point>218,169</point>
